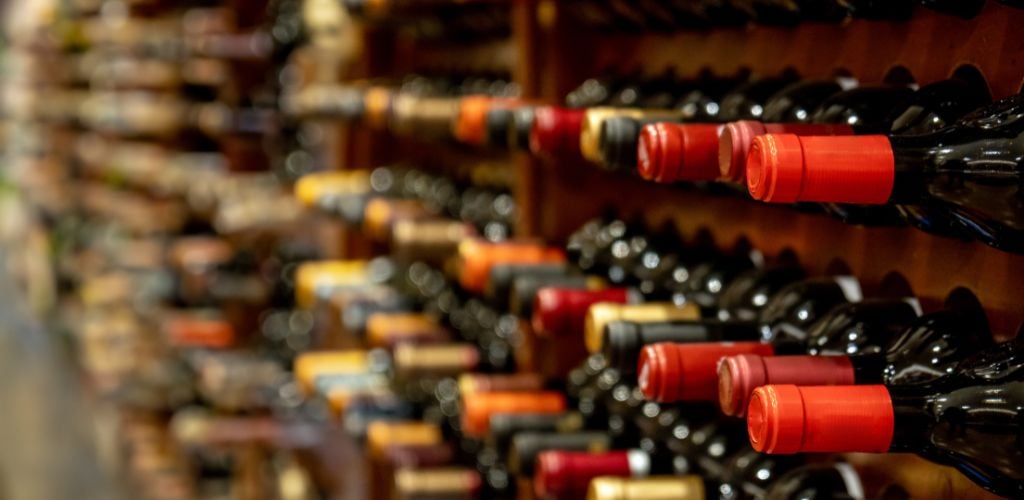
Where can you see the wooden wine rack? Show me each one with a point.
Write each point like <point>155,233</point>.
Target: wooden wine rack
<point>930,47</point>
<point>548,55</point>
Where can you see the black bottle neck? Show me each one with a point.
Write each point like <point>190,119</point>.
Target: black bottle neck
<point>624,340</point>
<point>958,165</point>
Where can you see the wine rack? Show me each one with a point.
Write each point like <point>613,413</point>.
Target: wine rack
<point>225,187</point>
<point>550,53</point>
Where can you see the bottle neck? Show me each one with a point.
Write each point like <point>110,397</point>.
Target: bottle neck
<point>913,421</point>
<point>868,368</point>
<point>945,165</point>
<point>624,340</point>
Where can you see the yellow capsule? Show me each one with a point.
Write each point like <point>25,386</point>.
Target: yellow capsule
<point>599,315</point>
<point>317,279</point>
<point>310,365</point>
<point>310,189</point>
<point>650,488</point>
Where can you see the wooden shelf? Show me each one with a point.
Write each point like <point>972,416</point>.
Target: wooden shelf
<point>930,46</point>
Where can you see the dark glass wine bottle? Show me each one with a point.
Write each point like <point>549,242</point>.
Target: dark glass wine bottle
<point>749,474</point>
<point>670,152</point>
<point>829,480</point>
<point>969,419</point>
<point>687,372</point>
<point>791,309</point>
<point>929,347</point>
<point>971,169</point>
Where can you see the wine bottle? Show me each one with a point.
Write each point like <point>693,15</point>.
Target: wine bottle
<point>963,419</point>
<point>594,120</point>
<point>599,315</point>
<point>555,131</point>
<point>478,257</point>
<point>477,411</point>
<point>835,480</point>
<point>671,152</point>
<point>747,294</point>
<point>562,312</point>
<point>739,307</point>
<point>970,169</point>
<point>861,110</point>
<point>527,445</point>
<point>749,473</point>
<point>504,427</point>
<point>618,135</point>
<point>525,288</point>
<point>687,372</point>
<point>560,474</point>
<point>856,359</point>
<point>503,277</point>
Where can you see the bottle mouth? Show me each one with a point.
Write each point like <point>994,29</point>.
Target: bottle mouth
<point>734,146</point>
<point>654,363</point>
<point>649,153</point>
<point>728,395</point>
<point>670,152</point>
<point>757,422</point>
<point>756,169</point>
<point>670,372</point>
<point>620,344</point>
<point>619,142</point>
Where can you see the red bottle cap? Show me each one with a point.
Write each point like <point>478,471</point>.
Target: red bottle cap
<point>199,332</point>
<point>739,375</point>
<point>478,256</point>
<point>563,311</point>
<point>820,419</point>
<point>567,474</point>
<point>787,168</point>
<point>469,126</point>
<point>556,131</point>
<point>477,410</point>
<point>670,152</point>
<point>688,372</point>
<point>736,138</point>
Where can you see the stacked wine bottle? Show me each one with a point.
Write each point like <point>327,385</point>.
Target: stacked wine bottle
<point>622,365</point>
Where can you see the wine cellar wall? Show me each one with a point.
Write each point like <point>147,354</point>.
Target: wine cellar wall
<point>523,249</point>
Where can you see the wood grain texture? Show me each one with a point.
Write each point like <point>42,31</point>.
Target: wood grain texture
<point>931,46</point>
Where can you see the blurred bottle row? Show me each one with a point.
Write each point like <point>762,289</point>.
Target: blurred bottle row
<point>940,157</point>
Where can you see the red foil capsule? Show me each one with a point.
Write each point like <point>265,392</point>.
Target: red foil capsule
<point>688,372</point>
<point>563,311</point>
